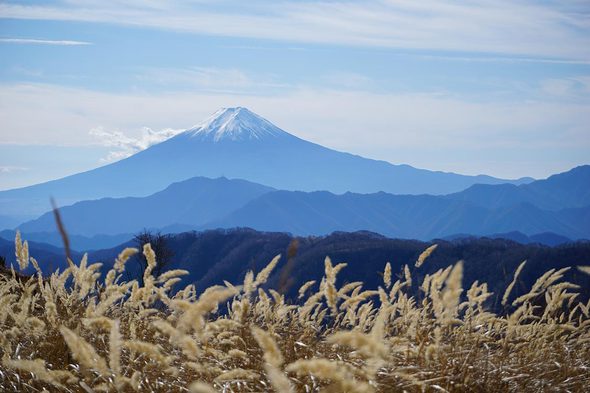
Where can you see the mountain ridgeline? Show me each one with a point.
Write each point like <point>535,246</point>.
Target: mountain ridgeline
<point>237,143</point>
<point>570,189</point>
<point>202,203</point>
<point>185,204</point>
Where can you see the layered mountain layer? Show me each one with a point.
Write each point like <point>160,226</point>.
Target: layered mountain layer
<point>202,203</point>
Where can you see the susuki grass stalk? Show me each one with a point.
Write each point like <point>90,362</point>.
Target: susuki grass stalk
<point>89,335</point>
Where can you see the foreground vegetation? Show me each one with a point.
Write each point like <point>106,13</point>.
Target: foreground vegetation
<point>72,331</point>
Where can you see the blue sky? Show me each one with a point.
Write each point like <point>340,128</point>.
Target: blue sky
<point>498,87</point>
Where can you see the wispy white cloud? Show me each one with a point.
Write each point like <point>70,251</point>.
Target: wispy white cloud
<point>126,145</point>
<point>211,79</point>
<point>520,28</point>
<point>12,169</point>
<point>348,80</point>
<point>558,87</point>
<point>577,88</point>
<point>28,72</point>
<point>31,41</point>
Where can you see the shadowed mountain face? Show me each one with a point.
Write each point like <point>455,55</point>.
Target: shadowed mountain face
<point>236,143</point>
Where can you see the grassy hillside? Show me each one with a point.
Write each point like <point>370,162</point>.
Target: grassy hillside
<point>70,332</point>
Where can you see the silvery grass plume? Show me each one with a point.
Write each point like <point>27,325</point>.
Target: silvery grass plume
<point>123,336</point>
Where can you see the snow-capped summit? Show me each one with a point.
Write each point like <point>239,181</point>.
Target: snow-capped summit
<point>235,124</point>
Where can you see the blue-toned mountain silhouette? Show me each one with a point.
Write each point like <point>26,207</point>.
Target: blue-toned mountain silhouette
<point>400,216</point>
<point>193,202</point>
<point>202,203</point>
<point>237,143</point>
<point>565,190</point>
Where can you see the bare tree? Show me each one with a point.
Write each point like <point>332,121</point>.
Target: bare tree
<point>159,244</point>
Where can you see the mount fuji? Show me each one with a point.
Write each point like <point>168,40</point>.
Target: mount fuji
<point>237,143</point>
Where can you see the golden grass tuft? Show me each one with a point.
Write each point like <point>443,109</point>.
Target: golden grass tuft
<point>71,333</point>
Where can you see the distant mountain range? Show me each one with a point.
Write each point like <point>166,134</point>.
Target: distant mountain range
<point>194,202</point>
<point>77,242</point>
<point>235,143</point>
<point>202,203</point>
<point>50,257</point>
<point>409,217</point>
<point>565,190</point>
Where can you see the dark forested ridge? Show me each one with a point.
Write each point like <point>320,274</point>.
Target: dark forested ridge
<point>214,256</point>
<point>217,255</point>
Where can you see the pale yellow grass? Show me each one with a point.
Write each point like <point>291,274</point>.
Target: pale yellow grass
<point>68,332</point>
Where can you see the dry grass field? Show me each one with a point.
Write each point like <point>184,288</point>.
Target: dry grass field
<point>73,332</point>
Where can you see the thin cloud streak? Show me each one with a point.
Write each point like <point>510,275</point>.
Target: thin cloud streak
<point>522,29</point>
<point>11,169</point>
<point>488,59</point>
<point>31,41</point>
<point>209,79</point>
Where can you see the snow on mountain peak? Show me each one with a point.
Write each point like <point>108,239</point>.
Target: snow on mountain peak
<point>235,124</point>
